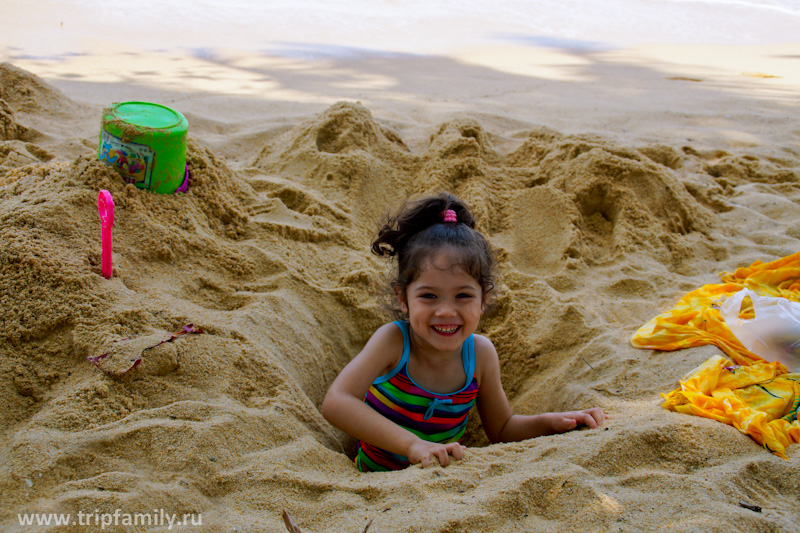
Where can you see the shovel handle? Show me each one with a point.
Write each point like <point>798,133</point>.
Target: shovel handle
<point>105,206</point>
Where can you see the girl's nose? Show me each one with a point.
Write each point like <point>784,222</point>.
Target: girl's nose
<point>445,309</point>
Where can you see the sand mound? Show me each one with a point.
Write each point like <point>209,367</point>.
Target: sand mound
<point>34,112</point>
<point>346,161</point>
<point>15,154</point>
<point>10,129</point>
<point>28,93</point>
<point>272,262</point>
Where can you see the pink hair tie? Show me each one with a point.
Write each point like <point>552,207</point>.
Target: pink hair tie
<point>450,216</point>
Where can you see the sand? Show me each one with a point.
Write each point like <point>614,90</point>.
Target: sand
<point>609,182</point>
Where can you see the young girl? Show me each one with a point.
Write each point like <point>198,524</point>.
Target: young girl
<point>406,397</point>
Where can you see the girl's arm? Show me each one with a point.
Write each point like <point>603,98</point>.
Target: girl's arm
<point>499,422</point>
<point>344,405</point>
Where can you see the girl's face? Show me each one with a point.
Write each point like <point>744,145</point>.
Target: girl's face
<point>444,305</point>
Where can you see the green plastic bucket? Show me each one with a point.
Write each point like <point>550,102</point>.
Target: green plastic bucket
<point>146,143</point>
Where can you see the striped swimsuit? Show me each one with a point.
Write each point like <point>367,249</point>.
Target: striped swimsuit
<point>433,417</point>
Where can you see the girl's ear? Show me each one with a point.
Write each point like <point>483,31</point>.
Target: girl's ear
<point>401,299</point>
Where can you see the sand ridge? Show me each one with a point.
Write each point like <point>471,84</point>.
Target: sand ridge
<point>268,255</point>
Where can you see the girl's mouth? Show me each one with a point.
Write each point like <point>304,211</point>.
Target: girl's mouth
<point>446,329</point>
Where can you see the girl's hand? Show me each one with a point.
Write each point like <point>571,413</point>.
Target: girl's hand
<point>421,451</point>
<point>591,418</point>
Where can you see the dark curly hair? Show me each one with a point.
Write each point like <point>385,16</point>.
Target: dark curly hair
<point>418,231</point>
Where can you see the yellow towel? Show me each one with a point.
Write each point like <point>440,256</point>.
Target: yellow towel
<point>760,399</point>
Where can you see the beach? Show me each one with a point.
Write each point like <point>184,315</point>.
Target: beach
<point>612,172</point>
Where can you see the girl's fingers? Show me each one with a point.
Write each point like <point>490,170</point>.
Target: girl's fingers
<point>588,420</point>
<point>598,414</point>
<point>571,423</point>
<point>592,418</point>
<point>458,452</point>
<point>444,457</point>
<point>443,454</point>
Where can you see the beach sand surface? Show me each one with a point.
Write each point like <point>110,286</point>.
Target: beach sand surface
<point>610,182</point>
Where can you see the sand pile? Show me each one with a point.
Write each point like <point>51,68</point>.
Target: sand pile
<point>269,257</point>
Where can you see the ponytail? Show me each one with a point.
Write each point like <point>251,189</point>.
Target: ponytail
<point>422,228</point>
<point>416,217</point>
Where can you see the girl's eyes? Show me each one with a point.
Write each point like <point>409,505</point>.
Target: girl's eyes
<point>430,295</point>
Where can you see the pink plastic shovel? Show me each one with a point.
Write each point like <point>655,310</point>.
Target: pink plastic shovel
<point>105,206</point>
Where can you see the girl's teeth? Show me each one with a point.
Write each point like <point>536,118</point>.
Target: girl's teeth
<point>449,330</point>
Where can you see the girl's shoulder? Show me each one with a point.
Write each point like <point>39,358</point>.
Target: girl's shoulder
<point>483,345</point>
<point>388,333</point>
<point>485,355</point>
<point>387,344</point>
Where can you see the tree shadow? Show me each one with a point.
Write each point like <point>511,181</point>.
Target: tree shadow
<point>575,87</point>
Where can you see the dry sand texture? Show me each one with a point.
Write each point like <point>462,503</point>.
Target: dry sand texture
<point>267,253</point>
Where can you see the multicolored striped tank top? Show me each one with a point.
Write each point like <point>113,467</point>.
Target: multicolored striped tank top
<point>434,417</point>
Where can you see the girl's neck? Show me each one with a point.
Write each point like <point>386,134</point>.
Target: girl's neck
<point>438,372</point>
<point>446,378</point>
<point>429,355</point>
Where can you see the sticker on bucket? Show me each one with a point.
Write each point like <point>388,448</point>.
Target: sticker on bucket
<point>134,161</point>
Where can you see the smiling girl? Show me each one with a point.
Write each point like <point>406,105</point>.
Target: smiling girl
<point>407,395</point>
